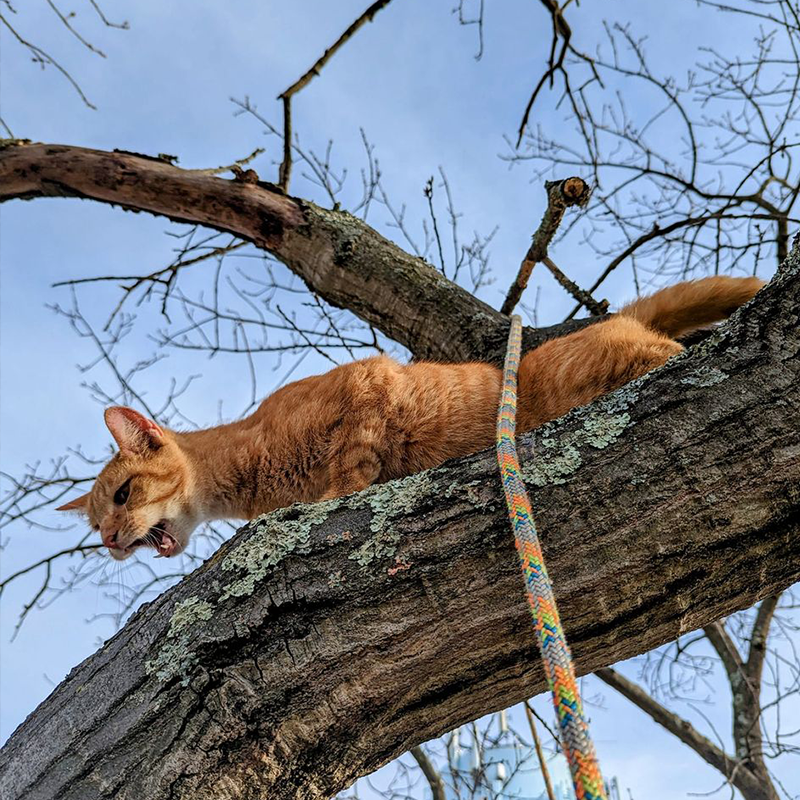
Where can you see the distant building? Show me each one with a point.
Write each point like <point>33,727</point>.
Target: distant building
<point>504,768</point>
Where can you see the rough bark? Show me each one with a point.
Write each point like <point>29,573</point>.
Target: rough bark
<point>340,257</point>
<point>324,640</point>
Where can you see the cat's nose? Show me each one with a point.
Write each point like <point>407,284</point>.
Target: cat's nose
<point>110,540</point>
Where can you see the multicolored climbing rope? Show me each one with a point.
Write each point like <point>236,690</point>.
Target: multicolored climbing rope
<point>557,660</point>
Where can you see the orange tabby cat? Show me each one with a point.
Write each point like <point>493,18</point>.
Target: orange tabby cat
<point>371,421</point>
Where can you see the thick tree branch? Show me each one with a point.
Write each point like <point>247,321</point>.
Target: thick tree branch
<point>338,256</point>
<point>324,640</point>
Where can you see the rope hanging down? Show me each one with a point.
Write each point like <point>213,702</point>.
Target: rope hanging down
<point>560,673</point>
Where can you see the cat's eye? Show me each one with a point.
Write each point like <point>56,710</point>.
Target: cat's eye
<point>121,495</point>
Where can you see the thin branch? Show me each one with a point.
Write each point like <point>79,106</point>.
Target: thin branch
<point>582,296</point>
<point>83,549</point>
<point>68,25</point>
<point>758,639</point>
<point>561,33</point>
<point>229,167</point>
<point>727,651</point>
<point>43,58</point>
<point>306,78</point>
<point>543,723</point>
<point>430,772</point>
<point>539,754</point>
<point>124,25</point>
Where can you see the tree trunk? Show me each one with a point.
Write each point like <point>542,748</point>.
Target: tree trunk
<point>324,640</point>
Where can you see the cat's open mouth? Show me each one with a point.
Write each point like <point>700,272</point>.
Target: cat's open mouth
<point>159,538</point>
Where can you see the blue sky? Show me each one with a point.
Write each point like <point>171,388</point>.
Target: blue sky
<point>411,81</point>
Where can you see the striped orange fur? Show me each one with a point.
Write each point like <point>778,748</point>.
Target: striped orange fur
<point>370,421</point>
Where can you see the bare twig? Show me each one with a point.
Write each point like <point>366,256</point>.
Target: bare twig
<point>539,754</point>
<point>582,296</point>
<point>476,20</point>
<point>68,25</point>
<point>235,167</point>
<point>562,33</point>
<point>124,25</point>
<point>543,723</point>
<point>41,57</point>
<point>429,195</point>
<point>80,549</point>
<point>306,78</point>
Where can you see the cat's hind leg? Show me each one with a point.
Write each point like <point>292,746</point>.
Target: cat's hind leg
<point>355,459</point>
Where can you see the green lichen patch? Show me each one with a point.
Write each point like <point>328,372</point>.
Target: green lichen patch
<point>705,376</point>
<point>469,490</point>
<point>335,580</point>
<point>389,501</point>
<point>560,454</point>
<point>187,613</point>
<point>175,659</point>
<point>600,432</point>
<point>381,545</point>
<point>275,536</point>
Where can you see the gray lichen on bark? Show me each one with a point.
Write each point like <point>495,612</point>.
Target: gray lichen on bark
<point>602,423</point>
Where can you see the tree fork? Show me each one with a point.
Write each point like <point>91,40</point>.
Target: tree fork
<point>324,640</point>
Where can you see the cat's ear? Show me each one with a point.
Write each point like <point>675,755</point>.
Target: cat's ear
<point>133,432</point>
<point>78,504</point>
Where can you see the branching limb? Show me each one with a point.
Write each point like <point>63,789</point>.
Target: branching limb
<point>339,257</point>
<point>81,549</point>
<point>560,196</point>
<point>560,46</point>
<point>745,682</point>
<point>738,775</point>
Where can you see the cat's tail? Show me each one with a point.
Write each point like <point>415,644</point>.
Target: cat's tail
<point>685,307</point>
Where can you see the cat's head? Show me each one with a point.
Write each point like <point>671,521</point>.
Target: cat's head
<point>143,496</point>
